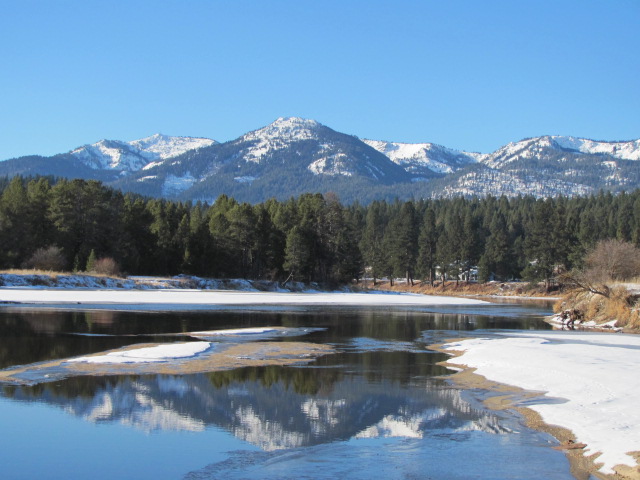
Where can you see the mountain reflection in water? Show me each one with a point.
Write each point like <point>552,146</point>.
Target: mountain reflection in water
<point>271,407</point>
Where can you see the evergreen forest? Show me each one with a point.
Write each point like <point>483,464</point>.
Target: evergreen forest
<point>310,238</point>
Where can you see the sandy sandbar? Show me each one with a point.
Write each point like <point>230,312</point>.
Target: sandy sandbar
<point>218,357</point>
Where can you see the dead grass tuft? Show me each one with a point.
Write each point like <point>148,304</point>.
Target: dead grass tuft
<point>34,271</point>
<point>514,289</point>
<point>621,306</point>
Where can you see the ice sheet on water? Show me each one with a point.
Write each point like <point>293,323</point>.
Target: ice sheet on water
<point>485,457</point>
<point>366,344</point>
<point>251,334</point>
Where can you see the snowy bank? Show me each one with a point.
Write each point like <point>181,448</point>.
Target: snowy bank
<point>62,280</point>
<point>208,299</point>
<point>591,383</point>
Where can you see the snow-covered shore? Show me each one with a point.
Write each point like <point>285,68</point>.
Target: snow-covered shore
<point>590,381</point>
<point>183,299</point>
<point>73,280</point>
<point>188,293</point>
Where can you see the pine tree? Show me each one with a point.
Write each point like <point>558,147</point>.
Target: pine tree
<point>298,260</point>
<point>15,228</point>
<point>242,234</point>
<point>91,261</point>
<point>497,259</point>
<point>372,242</point>
<point>471,242</point>
<point>546,243</point>
<point>428,241</point>
<point>403,229</point>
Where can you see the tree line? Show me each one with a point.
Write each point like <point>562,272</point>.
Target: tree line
<point>311,238</point>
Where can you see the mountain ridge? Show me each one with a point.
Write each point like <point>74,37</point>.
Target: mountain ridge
<point>292,155</point>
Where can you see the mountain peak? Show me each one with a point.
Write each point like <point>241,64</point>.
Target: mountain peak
<point>137,154</point>
<point>290,128</point>
<point>279,135</point>
<point>286,122</point>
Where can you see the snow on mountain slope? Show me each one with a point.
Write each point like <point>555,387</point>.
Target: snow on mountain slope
<point>110,155</point>
<point>495,182</point>
<point>277,136</point>
<point>416,157</point>
<point>332,165</point>
<point>538,147</point>
<point>623,150</point>
<point>294,143</point>
<point>527,148</point>
<point>137,154</point>
<point>160,146</point>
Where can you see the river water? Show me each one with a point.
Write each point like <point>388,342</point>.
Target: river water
<point>380,407</point>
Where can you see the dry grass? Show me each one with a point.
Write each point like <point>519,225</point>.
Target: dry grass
<point>621,306</point>
<point>33,271</point>
<point>468,288</point>
<point>53,274</point>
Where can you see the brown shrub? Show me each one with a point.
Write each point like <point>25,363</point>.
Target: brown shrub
<point>106,266</point>
<point>49,258</point>
<point>613,260</point>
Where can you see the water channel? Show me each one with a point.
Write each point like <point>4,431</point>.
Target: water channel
<point>379,407</point>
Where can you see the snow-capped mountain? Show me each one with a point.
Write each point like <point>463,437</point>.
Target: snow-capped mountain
<point>321,150</point>
<point>547,166</point>
<point>542,146</point>
<point>292,156</point>
<point>277,136</point>
<point>425,158</point>
<point>620,150</point>
<point>289,157</point>
<point>137,154</point>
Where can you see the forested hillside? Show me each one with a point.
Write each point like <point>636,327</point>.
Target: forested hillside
<point>308,238</point>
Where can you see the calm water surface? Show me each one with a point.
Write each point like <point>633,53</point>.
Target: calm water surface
<point>379,408</point>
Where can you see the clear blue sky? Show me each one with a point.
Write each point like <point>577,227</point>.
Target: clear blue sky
<point>467,74</point>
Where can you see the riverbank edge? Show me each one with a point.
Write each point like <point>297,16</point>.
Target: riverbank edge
<point>472,289</point>
<point>66,280</point>
<point>507,397</point>
<point>618,314</point>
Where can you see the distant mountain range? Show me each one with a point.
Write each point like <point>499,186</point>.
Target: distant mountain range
<point>292,156</point>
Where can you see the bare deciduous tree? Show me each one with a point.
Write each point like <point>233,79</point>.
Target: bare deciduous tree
<point>106,266</point>
<point>613,260</point>
<point>49,258</point>
<point>609,261</point>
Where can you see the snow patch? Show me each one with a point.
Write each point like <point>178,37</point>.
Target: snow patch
<point>174,185</point>
<point>593,378</point>
<point>245,179</point>
<point>159,353</point>
<point>160,146</point>
<point>332,165</point>
<point>623,150</point>
<point>185,299</point>
<point>415,157</point>
<point>237,331</point>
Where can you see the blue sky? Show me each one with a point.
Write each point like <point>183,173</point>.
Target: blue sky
<point>471,75</point>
